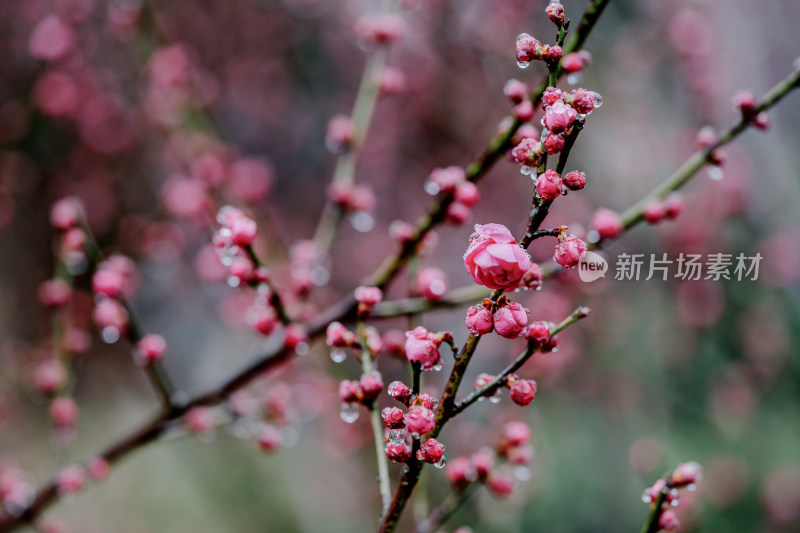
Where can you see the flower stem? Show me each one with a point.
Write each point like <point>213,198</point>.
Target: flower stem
<point>689,168</point>
<point>497,382</point>
<point>384,485</point>
<point>445,510</point>
<point>651,525</point>
<point>275,299</point>
<point>157,374</point>
<point>345,171</point>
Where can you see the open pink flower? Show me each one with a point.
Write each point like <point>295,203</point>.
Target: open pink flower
<point>494,259</point>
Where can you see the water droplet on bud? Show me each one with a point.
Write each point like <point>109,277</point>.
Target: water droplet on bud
<point>320,276</point>
<point>110,335</point>
<point>522,473</point>
<point>349,412</point>
<point>575,78</point>
<point>362,221</point>
<point>714,172</point>
<point>338,355</point>
<point>397,436</point>
<point>441,463</point>
<point>301,349</point>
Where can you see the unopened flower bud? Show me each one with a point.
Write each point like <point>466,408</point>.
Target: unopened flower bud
<point>479,320</point>
<point>64,412</point>
<point>549,185</point>
<point>419,419</point>
<point>371,387</point>
<point>516,91</point>
<point>151,348</point>
<point>533,277</point>
<point>559,117</point>
<point>431,451</point>
<point>654,212</point>
<point>393,418</point>
<point>399,391</point>
<point>523,392</point>
<point>398,453</point>
<point>686,474</point>
<point>607,223</point>
<point>555,10</point>
<point>509,321</point>
<point>553,143</point>
<point>575,180</point>
<point>569,251</point>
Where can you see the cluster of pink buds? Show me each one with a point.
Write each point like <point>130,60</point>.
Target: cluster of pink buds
<point>517,92</point>
<point>401,231</point>
<point>353,198</point>
<point>530,49</point>
<point>306,268</point>
<point>494,259</point>
<point>236,235</point>
<point>706,140</point>
<point>233,242</point>
<point>667,209</point>
<point>562,110</point>
<point>65,217</point>
<point>505,317</point>
<point>403,428</point>
<point>528,153</point>
<point>499,468</point>
<point>339,338</point>
<point>362,392</point>
<point>261,413</point>
<point>665,492</point>
<point>113,280</point>
<point>745,102</point>
<point>453,181</point>
<point>569,250</point>
<point>422,347</point>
